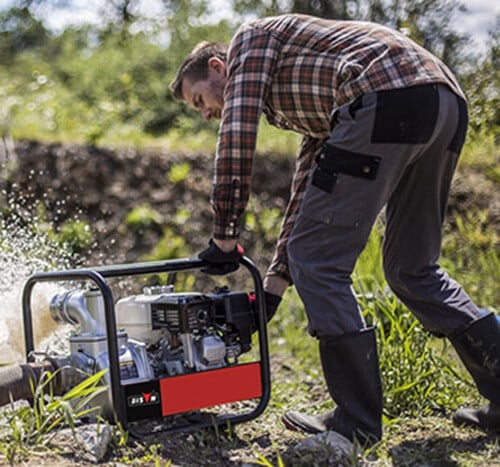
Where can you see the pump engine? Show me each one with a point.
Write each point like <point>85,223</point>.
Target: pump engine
<point>161,333</point>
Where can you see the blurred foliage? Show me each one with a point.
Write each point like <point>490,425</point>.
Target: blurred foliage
<point>170,246</point>
<point>76,235</point>
<point>143,217</point>
<point>482,83</point>
<point>179,172</point>
<point>20,32</point>
<point>339,9</point>
<point>107,83</point>
<point>94,84</point>
<point>73,236</point>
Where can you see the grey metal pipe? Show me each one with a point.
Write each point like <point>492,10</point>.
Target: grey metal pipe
<point>72,307</point>
<point>17,381</point>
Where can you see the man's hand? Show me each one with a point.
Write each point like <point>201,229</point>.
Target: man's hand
<point>272,303</point>
<point>274,288</point>
<point>221,259</point>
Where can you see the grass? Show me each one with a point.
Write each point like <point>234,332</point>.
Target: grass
<point>481,151</point>
<point>27,430</point>
<point>423,383</point>
<point>422,379</point>
<point>204,140</point>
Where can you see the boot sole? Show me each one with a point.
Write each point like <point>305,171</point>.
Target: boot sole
<point>481,419</point>
<point>293,425</point>
<point>466,423</point>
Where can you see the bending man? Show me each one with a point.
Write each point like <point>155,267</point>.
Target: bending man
<point>383,123</point>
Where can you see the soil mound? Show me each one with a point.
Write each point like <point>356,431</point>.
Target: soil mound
<point>101,187</point>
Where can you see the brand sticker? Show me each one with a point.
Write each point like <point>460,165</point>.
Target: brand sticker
<point>143,399</point>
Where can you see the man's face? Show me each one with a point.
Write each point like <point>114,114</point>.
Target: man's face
<point>207,96</point>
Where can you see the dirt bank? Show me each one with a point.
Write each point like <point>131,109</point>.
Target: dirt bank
<point>101,187</point>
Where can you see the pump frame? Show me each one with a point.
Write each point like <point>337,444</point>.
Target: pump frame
<point>98,276</point>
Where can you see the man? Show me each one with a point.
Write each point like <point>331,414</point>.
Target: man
<point>383,122</point>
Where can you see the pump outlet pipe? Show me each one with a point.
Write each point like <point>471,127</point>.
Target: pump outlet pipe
<point>19,381</point>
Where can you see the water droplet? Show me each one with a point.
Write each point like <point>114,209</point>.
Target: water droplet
<point>23,251</point>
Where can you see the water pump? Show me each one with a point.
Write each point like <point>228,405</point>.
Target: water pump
<point>170,357</point>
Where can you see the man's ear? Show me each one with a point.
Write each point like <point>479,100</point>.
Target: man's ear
<point>218,65</point>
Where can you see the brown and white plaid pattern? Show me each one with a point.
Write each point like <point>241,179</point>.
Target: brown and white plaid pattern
<point>298,70</point>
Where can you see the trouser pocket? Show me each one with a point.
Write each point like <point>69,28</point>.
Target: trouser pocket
<point>333,161</point>
<point>335,192</point>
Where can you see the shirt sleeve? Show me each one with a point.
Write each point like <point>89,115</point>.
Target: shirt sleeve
<point>251,61</point>
<point>309,149</point>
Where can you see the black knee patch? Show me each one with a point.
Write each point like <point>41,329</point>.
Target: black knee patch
<point>406,115</point>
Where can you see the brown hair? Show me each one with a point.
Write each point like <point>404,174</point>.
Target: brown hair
<point>195,65</point>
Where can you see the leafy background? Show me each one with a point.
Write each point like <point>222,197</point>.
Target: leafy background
<point>99,161</point>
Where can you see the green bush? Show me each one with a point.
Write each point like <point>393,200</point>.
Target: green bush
<point>143,217</point>
<point>179,172</point>
<point>76,235</point>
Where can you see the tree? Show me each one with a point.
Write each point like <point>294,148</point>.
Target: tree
<point>482,86</point>
<point>259,8</point>
<point>428,22</point>
<point>338,9</point>
<point>20,31</point>
<point>335,9</point>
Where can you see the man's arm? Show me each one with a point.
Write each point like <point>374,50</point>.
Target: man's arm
<point>251,60</point>
<point>309,149</point>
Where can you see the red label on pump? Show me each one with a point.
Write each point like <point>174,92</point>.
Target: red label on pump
<point>195,391</point>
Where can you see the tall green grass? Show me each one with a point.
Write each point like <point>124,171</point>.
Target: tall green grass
<point>29,429</point>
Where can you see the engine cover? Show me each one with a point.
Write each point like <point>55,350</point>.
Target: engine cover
<point>144,316</point>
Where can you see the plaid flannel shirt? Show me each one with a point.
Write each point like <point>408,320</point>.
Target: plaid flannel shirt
<point>298,70</point>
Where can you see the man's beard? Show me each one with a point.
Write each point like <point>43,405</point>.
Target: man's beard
<point>217,90</point>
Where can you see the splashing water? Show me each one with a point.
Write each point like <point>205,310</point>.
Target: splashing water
<point>25,250</point>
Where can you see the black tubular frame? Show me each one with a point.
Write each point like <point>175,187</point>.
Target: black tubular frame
<point>98,276</point>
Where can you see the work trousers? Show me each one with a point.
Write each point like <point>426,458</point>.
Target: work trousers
<point>398,149</point>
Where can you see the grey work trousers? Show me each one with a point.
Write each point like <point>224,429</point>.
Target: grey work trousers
<point>414,137</point>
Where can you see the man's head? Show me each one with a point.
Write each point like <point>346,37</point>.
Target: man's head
<point>201,79</point>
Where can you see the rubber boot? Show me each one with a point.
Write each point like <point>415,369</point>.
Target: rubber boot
<point>478,346</point>
<point>350,368</point>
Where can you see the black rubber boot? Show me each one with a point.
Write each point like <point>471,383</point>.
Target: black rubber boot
<point>487,417</point>
<point>479,349</point>
<point>350,368</point>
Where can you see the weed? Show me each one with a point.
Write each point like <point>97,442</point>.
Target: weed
<point>262,460</point>
<point>143,217</point>
<point>76,236</point>
<point>29,429</point>
<point>179,172</point>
